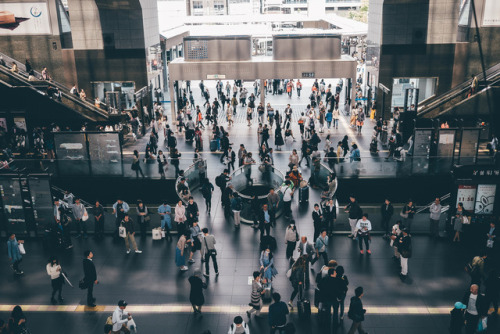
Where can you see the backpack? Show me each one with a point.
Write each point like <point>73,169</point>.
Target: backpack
<point>219,181</point>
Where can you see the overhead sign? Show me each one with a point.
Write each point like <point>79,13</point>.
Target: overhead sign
<point>308,75</point>
<point>215,76</point>
<point>491,13</point>
<point>30,18</point>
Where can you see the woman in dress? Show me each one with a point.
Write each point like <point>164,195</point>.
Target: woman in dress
<point>196,295</point>
<point>54,271</point>
<point>180,217</point>
<point>180,260</point>
<point>278,137</point>
<point>267,265</point>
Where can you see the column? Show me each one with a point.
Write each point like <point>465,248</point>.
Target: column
<point>262,93</point>
<point>172,103</point>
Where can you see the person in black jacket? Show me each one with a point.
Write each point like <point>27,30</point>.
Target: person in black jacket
<point>457,318</point>
<point>317,217</point>
<point>476,307</point>
<point>89,277</point>
<point>192,211</point>
<point>277,314</point>
<point>356,312</point>
<point>405,249</point>
<point>492,284</point>
<point>331,288</point>
<point>355,213</point>
<point>386,211</point>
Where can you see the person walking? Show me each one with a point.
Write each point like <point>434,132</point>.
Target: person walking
<point>165,212</point>
<point>317,217</point>
<point>81,216</point>
<point>192,211</point>
<point>343,290</point>
<point>476,307</point>
<point>457,319</point>
<point>363,228</point>
<point>492,284</point>
<point>207,188</point>
<point>330,288</point>
<point>196,297</point>
<point>386,211</point>
<point>265,221</point>
<point>306,250</point>
<point>356,312</point>
<point>287,190</point>
<point>236,207</point>
<point>238,326</point>
<point>120,208</point>
<point>273,201</point>
<point>291,238</point>
<point>129,234</point>
<point>321,247</point>
<point>120,318</point>
<point>142,217</point>
<point>355,213</point>
<point>14,253</point>
<point>408,212</point>
<point>435,216</point>
<point>298,274</point>
<point>195,235</point>
<point>330,214</point>
<point>17,321</point>
<point>277,314</point>
<point>208,251</point>
<point>136,164</point>
<point>54,270</point>
<point>98,212</point>
<point>89,277</point>
<point>405,250</point>
<point>256,296</point>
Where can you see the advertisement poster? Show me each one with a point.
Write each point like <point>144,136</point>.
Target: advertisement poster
<point>28,18</point>
<point>491,16</point>
<point>467,196</point>
<point>485,199</point>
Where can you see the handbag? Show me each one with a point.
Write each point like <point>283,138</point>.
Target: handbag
<point>122,232</point>
<point>289,273</point>
<point>403,214</point>
<point>82,285</point>
<point>210,251</point>
<point>147,219</point>
<point>489,243</point>
<point>22,250</point>
<point>85,216</point>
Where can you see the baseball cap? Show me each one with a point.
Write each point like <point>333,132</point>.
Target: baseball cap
<point>460,306</point>
<point>122,303</point>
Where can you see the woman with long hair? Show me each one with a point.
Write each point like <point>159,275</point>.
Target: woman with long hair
<point>54,270</point>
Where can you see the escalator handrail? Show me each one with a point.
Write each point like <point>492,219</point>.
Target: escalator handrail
<point>87,103</point>
<point>492,73</point>
<point>67,96</point>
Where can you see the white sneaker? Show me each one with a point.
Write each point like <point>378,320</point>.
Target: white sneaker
<point>128,251</point>
<point>138,251</point>
<point>184,268</point>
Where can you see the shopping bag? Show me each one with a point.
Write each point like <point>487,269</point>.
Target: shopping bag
<point>122,232</point>
<point>21,249</point>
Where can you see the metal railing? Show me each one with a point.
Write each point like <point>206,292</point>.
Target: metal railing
<point>194,175</point>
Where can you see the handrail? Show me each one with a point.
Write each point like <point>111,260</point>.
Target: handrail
<point>240,170</point>
<point>445,197</point>
<point>87,103</point>
<point>61,191</point>
<point>492,73</point>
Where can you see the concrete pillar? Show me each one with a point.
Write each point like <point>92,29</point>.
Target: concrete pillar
<point>172,102</point>
<point>262,92</point>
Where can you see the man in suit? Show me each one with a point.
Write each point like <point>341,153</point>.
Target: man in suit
<point>476,307</point>
<point>306,249</point>
<point>386,211</point>
<point>265,221</point>
<point>89,276</point>
<point>317,217</point>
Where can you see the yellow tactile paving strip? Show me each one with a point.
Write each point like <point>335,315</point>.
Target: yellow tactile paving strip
<point>226,309</point>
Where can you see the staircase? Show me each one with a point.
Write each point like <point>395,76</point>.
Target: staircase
<point>85,108</point>
<point>443,104</point>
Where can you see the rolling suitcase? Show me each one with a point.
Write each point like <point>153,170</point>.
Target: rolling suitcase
<point>304,194</point>
<point>213,145</point>
<point>267,297</point>
<point>304,308</point>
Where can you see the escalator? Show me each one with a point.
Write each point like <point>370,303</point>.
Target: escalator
<point>18,86</point>
<point>457,100</point>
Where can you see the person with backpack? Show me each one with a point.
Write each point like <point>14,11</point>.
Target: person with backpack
<point>238,326</point>
<point>356,312</point>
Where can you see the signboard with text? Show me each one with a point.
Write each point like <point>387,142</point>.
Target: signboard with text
<point>27,18</point>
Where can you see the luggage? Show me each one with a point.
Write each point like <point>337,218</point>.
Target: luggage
<point>268,241</point>
<point>304,308</point>
<point>213,145</point>
<point>189,133</point>
<point>156,233</point>
<point>267,297</point>
<point>304,194</point>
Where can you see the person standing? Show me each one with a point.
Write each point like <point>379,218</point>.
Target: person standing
<point>386,211</point>
<point>17,321</point>
<point>238,326</point>
<point>89,277</point>
<point>99,220</point>
<point>180,259</point>
<point>55,272</point>
<point>136,164</point>
<point>130,234</point>
<point>79,212</point>
<point>408,212</point>
<point>192,211</point>
<point>476,307</point>
<point>256,296</point>
<point>405,250</point>
<point>291,238</point>
<point>142,217</point>
<point>330,214</point>
<point>492,284</point>
<point>14,253</point>
<point>120,208</point>
<point>273,201</point>
<point>363,228</point>
<point>120,318</point>
<point>277,314</point>
<point>165,211</point>
<point>196,294</point>
<point>195,235</point>
<point>236,207</point>
<point>435,216</point>
<point>208,251</point>
<point>207,188</point>
<point>317,217</point>
<point>355,213</point>
<point>356,312</point>
<point>180,217</point>
<point>306,250</point>
<point>330,288</point>
<point>457,319</point>
<point>343,289</point>
<point>321,247</point>
<point>287,190</point>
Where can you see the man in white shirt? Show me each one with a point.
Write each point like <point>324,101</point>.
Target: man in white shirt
<point>120,318</point>
<point>363,228</point>
<point>477,307</point>
<point>307,250</point>
<point>287,192</point>
<point>57,215</point>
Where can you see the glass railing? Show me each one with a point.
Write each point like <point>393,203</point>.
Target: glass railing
<point>194,175</point>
